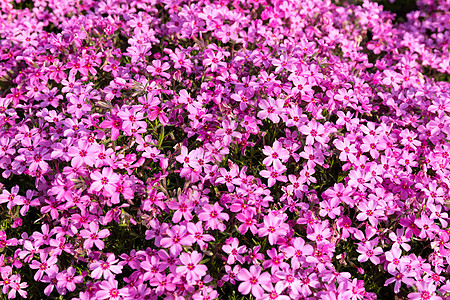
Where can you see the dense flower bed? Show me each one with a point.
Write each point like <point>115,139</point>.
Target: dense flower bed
<point>200,150</point>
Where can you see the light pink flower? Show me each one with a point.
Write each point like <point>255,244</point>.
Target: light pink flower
<point>253,280</point>
<point>191,267</point>
<point>94,236</point>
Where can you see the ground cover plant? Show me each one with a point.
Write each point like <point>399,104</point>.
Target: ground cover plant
<point>246,149</point>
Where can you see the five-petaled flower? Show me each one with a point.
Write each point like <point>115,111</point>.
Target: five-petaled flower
<point>93,236</point>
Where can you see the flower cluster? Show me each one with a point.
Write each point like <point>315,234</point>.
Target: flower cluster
<point>171,149</point>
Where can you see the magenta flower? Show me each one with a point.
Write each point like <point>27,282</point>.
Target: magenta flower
<point>12,198</point>
<point>158,68</point>
<point>248,222</point>
<point>176,237</point>
<point>298,251</point>
<point>17,287</point>
<point>253,280</point>
<point>427,227</point>
<point>271,109</point>
<point>275,292</point>
<point>106,180</point>
<point>277,152</point>
<point>399,239</point>
<point>273,174</point>
<point>348,150</point>
<point>276,261</point>
<point>425,290</point>
<point>401,276</point>
<point>395,260</point>
<point>114,123</point>
<point>231,273</point>
<point>214,60</point>
<point>132,120</point>
<point>93,236</point>
<point>360,179</point>
<point>105,269</point>
<point>368,252</point>
<point>191,267</point>
<point>369,210</point>
<point>230,178</point>
<point>228,132</point>
<point>109,290</point>
<point>314,132</point>
<point>45,266</point>
<point>392,78</point>
<point>84,153</point>
<point>234,251</point>
<point>274,227</point>
<point>319,232</point>
<point>254,256</point>
<point>161,282</point>
<point>68,280</point>
<point>196,230</point>
<point>183,208</point>
<point>213,215</point>
<point>44,237</point>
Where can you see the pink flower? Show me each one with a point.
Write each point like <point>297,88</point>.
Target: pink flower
<point>399,239</point>
<point>314,132</point>
<point>392,78</point>
<point>319,232</point>
<point>314,155</point>
<point>230,178</point>
<point>213,216</point>
<point>106,268</point>
<point>228,132</point>
<point>329,208</point>
<point>109,290</point>
<point>368,252</point>
<point>196,230</point>
<point>17,287</point>
<point>277,152</point>
<point>45,266</point>
<point>273,174</point>
<point>347,120</point>
<point>248,221</point>
<point>44,237</point>
<point>253,280</point>
<point>176,237</point>
<point>275,292</point>
<point>68,280</point>
<point>231,273</point>
<point>114,123</point>
<point>425,291</point>
<point>191,267</point>
<point>234,251</point>
<point>93,236</point>
<point>183,208</point>
<point>360,179</point>
<point>369,210</point>
<point>401,276</point>
<point>427,227</point>
<point>271,109</point>
<point>276,261</point>
<point>395,260</point>
<point>298,251</point>
<point>106,180</point>
<point>132,120</point>
<point>274,227</point>
<point>158,68</point>
<point>214,61</point>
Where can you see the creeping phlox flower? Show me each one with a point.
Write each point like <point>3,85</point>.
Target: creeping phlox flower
<point>214,149</point>
<point>191,267</point>
<point>93,236</point>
